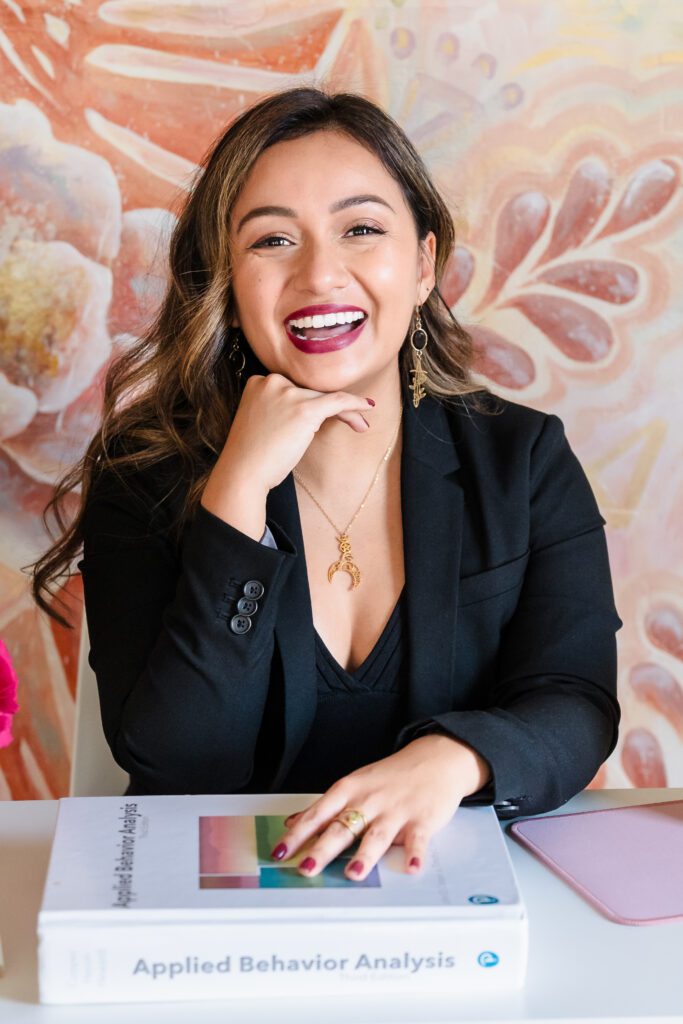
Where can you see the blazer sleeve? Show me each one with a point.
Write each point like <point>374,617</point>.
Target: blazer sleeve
<point>550,715</point>
<point>182,695</point>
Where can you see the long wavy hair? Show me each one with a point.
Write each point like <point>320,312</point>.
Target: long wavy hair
<point>174,392</point>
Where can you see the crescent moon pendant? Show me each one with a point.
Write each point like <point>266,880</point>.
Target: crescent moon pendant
<point>353,571</point>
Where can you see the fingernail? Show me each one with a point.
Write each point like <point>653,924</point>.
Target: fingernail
<point>307,864</point>
<point>279,851</point>
<point>414,862</point>
<point>356,867</point>
<point>371,401</point>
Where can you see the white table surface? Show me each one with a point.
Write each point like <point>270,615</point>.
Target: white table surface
<point>582,966</point>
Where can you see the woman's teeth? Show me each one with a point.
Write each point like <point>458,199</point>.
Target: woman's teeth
<point>325,320</point>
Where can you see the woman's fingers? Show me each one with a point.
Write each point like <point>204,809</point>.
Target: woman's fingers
<point>374,844</point>
<point>329,844</point>
<point>331,839</point>
<point>350,407</point>
<point>336,838</point>
<point>309,822</point>
<point>415,846</point>
<point>355,420</point>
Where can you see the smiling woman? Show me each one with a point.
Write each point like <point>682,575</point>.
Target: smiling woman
<point>305,388</point>
<point>361,251</point>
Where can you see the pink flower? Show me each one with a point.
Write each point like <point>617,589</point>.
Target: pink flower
<point>8,694</point>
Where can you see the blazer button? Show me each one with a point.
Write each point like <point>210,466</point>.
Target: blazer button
<point>240,623</point>
<point>253,589</point>
<point>247,606</point>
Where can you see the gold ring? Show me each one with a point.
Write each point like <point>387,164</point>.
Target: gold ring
<point>353,820</point>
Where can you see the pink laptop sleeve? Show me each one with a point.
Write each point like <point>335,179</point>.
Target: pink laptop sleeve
<point>626,861</point>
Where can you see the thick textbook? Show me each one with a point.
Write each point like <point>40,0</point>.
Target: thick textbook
<point>177,897</point>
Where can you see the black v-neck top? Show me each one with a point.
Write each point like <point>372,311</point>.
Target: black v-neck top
<point>359,713</point>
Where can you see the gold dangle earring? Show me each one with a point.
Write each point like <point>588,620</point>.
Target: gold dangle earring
<point>237,357</point>
<point>418,341</point>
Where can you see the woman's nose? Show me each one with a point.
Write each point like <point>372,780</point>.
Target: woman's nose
<point>320,268</point>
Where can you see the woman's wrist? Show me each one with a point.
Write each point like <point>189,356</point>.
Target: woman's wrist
<point>241,505</point>
<point>470,769</point>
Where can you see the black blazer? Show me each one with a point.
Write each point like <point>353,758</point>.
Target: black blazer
<point>510,609</point>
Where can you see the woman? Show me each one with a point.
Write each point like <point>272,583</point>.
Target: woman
<point>317,557</point>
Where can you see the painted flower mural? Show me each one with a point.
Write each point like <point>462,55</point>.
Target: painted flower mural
<point>553,131</point>
<point>561,289</point>
<point>78,277</point>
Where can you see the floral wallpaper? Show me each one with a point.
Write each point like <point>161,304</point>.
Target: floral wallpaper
<point>555,133</point>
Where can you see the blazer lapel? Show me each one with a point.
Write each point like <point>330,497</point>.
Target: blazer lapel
<point>294,632</point>
<point>432,509</point>
<point>432,505</point>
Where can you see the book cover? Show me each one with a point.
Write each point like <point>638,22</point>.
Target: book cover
<point>177,897</point>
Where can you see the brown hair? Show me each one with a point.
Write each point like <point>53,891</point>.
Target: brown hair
<point>175,392</point>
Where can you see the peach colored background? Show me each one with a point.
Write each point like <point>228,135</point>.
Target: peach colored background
<point>555,132</point>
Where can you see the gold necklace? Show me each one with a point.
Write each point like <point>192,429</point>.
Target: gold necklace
<point>346,562</point>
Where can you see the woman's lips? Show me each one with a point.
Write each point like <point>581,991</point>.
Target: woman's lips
<point>325,344</point>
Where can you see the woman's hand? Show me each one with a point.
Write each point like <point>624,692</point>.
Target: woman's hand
<point>273,427</point>
<point>405,798</point>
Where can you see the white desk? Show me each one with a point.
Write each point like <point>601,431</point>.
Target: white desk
<point>581,965</point>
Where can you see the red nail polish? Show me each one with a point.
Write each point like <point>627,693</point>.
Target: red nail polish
<point>279,851</point>
<point>414,862</point>
<point>370,400</point>
<point>307,864</point>
<point>356,867</point>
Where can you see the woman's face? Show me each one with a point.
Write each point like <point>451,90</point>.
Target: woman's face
<point>321,223</point>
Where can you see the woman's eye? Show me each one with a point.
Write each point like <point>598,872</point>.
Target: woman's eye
<point>266,241</point>
<point>273,241</point>
<point>366,227</point>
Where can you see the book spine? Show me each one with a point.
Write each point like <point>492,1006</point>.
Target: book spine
<point>143,963</point>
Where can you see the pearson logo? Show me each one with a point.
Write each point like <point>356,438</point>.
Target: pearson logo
<point>488,959</point>
<point>482,899</point>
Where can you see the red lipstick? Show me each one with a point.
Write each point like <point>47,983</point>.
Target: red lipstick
<point>325,344</point>
<point>335,342</point>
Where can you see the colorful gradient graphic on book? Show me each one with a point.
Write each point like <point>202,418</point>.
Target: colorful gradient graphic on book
<point>234,853</point>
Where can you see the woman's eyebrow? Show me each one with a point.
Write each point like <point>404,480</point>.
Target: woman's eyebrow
<point>287,211</point>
